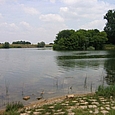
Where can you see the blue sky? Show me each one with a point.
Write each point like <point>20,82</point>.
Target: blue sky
<point>41,20</point>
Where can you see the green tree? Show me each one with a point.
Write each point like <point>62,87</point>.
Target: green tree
<point>110,26</point>
<point>21,42</point>
<point>97,38</point>
<point>63,34</point>
<point>83,40</point>
<point>79,40</point>
<point>41,44</point>
<point>6,45</point>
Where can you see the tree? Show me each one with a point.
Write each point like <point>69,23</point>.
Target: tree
<point>64,34</point>
<point>83,40</point>
<point>6,45</point>
<point>79,40</point>
<point>21,42</point>
<point>41,44</point>
<point>110,26</point>
<point>97,38</point>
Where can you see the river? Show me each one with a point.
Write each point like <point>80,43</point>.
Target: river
<point>30,71</point>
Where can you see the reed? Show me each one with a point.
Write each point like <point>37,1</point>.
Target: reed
<point>12,108</point>
<point>106,91</point>
<point>85,82</point>
<point>91,87</point>
<point>7,87</point>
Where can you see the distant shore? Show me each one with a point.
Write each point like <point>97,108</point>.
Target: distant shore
<point>24,45</point>
<point>106,46</point>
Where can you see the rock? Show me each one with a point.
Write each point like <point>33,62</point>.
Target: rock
<point>104,112</point>
<point>38,98</point>
<point>83,107</point>
<point>36,113</point>
<point>70,96</point>
<point>26,98</point>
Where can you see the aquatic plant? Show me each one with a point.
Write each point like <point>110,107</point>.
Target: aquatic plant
<point>85,82</point>
<point>14,106</point>
<point>106,91</point>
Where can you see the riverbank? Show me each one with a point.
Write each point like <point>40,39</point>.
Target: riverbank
<point>74,104</point>
<point>87,104</point>
<point>49,101</point>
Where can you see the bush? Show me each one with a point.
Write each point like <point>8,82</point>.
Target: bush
<point>90,48</point>
<point>6,45</point>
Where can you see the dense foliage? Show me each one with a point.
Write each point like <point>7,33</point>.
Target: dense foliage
<point>79,40</point>
<point>21,42</point>
<point>6,45</point>
<point>110,26</point>
<point>41,44</point>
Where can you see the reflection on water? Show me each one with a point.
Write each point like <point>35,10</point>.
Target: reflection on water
<point>110,68</point>
<point>30,71</point>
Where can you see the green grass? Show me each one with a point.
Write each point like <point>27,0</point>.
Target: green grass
<point>12,108</point>
<point>106,91</point>
<point>81,112</point>
<point>109,47</point>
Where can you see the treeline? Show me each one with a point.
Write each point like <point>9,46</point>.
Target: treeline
<point>80,40</point>
<point>21,42</point>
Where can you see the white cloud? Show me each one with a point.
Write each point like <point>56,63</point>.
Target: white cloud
<point>79,2</point>
<point>25,26</point>
<point>48,31</point>
<point>51,17</point>
<point>52,1</point>
<point>86,14</point>
<point>8,28</point>
<point>30,10</point>
<point>69,1</point>
<point>13,27</point>
<point>64,9</point>
<point>4,24</point>
<point>1,15</point>
<point>68,13</point>
<point>94,25</point>
<point>23,23</point>
<point>2,1</point>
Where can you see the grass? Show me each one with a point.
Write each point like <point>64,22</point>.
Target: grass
<point>12,108</point>
<point>106,91</point>
<point>109,46</point>
<point>80,112</point>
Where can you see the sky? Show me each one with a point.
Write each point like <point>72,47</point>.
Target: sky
<point>41,20</point>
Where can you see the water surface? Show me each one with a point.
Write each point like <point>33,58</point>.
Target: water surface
<point>30,71</point>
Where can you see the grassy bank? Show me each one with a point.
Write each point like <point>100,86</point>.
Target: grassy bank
<point>20,46</point>
<point>109,47</point>
<point>23,46</point>
<point>100,103</point>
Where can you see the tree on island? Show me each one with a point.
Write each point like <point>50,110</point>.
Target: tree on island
<point>79,40</point>
<point>6,45</point>
<point>41,44</point>
<point>110,26</point>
